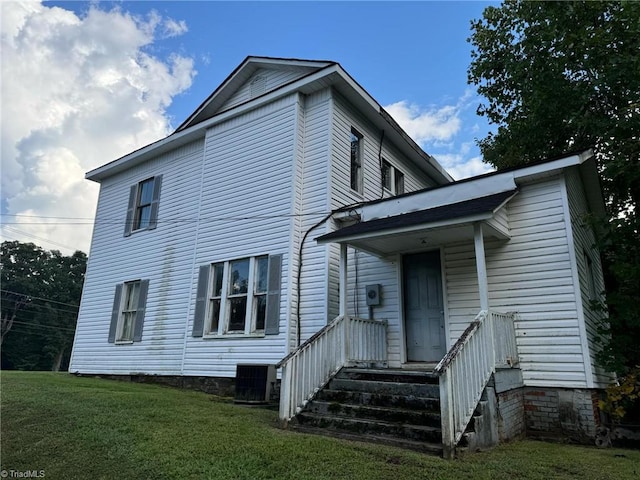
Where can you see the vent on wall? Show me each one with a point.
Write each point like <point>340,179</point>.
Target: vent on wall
<point>258,86</point>
<point>254,383</point>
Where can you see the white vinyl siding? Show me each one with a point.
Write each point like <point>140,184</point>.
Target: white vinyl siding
<point>344,117</point>
<point>246,199</point>
<point>590,279</point>
<point>272,78</point>
<point>314,206</point>
<point>373,270</point>
<point>530,274</point>
<point>163,256</point>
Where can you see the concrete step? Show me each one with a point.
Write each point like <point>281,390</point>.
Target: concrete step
<point>378,413</point>
<point>419,433</point>
<point>380,399</point>
<point>387,375</point>
<point>424,447</point>
<point>425,390</point>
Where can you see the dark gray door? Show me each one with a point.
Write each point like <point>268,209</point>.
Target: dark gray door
<point>423,307</point>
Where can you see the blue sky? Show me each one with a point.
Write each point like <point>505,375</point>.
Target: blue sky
<point>100,79</point>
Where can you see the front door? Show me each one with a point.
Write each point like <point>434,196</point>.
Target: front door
<point>423,307</point>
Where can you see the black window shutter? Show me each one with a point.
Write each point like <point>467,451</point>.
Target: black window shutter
<point>115,314</point>
<point>128,224</point>
<point>201,301</point>
<point>272,322</point>
<point>155,202</point>
<point>140,310</point>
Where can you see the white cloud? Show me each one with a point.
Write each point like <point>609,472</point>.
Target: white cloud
<point>77,92</point>
<point>461,166</point>
<point>437,130</point>
<point>425,125</point>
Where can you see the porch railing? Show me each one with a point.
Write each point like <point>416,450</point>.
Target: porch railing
<point>345,341</point>
<point>465,370</point>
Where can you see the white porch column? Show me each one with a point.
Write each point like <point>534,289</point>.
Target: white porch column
<point>481,266</point>
<point>343,279</point>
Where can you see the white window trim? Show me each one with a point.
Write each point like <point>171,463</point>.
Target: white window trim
<point>251,308</point>
<point>393,177</point>
<point>360,178</point>
<point>138,205</point>
<point>120,326</point>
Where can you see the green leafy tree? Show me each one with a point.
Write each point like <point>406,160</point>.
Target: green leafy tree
<point>40,296</point>
<point>565,76</point>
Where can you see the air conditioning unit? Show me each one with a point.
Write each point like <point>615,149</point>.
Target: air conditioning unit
<point>254,383</point>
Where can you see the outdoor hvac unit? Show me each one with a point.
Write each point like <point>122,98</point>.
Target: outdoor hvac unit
<point>254,383</point>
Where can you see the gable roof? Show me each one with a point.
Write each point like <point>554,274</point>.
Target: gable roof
<point>321,75</point>
<point>242,74</point>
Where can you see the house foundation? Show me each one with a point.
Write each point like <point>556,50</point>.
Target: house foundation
<point>561,413</point>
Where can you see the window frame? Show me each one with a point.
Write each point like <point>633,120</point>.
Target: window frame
<point>127,307</point>
<point>395,178</point>
<point>137,205</point>
<point>226,297</point>
<point>386,176</point>
<point>141,204</point>
<point>398,182</point>
<point>592,293</point>
<point>356,170</point>
<point>130,313</point>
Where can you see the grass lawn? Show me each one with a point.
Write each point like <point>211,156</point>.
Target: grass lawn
<point>81,428</point>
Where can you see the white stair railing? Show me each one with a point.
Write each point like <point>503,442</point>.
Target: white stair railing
<point>466,369</point>
<point>346,341</point>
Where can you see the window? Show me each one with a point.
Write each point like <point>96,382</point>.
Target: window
<point>127,316</point>
<point>386,175</point>
<point>356,161</point>
<point>144,200</point>
<point>398,181</point>
<point>591,279</point>
<point>392,178</point>
<point>142,215</point>
<point>241,296</point>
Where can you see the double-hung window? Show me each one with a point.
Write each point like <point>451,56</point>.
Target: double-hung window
<point>398,181</point>
<point>239,297</point>
<point>356,161</point>
<point>127,315</point>
<point>392,178</point>
<point>386,175</point>
<point>144,201</point>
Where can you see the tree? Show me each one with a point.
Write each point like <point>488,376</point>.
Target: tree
<point>40,296</point>
<point>565,76</point>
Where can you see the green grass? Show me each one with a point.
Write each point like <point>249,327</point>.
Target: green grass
<point>83,428</point>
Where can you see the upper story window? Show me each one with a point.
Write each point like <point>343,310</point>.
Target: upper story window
<point>392,178</point>
<point>590,277</point>
<point>144,201</point>
<point>356,161</point>
<point>239,297</point>
<point>386,175</point>
<point>142,215</point>
<point>127,315</point>
<point>398,181</point>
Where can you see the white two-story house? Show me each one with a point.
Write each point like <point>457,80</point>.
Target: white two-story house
<point>290,199</point>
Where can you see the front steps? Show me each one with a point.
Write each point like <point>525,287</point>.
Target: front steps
<point>399,408</point>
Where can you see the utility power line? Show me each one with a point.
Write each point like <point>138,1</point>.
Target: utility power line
<point>39,298</point>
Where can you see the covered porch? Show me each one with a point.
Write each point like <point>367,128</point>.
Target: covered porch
<point>415,241</point>
<point>412,240</point>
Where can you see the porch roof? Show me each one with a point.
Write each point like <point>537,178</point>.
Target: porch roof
<point>383,236</point>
